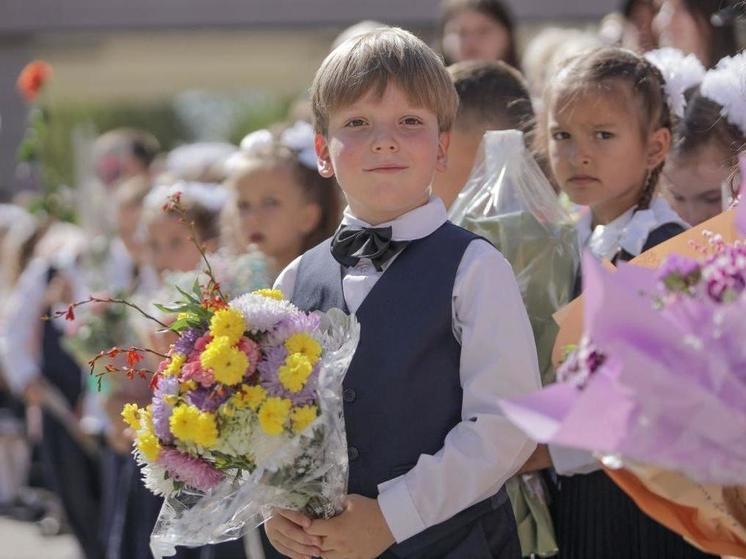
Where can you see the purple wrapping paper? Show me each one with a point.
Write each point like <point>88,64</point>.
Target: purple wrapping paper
<point>672,392</point>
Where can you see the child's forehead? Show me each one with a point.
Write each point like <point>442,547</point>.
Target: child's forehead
<point>388,94</point>
<point>611,99</point>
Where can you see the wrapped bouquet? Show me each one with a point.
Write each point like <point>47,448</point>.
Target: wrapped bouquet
<point>246,415</point>
<point>246,411</point>
<point>657,386</point>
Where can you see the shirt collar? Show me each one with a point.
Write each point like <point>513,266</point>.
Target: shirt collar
<point>628,232</point>
<point>415,224</point>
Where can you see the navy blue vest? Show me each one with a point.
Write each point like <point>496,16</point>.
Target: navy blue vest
<point>402,392</point>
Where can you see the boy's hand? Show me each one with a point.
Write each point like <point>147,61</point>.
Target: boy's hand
<point>285,533</point>
<point>360,532</point>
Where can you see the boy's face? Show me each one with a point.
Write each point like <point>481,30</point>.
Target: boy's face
<point>384,153</point>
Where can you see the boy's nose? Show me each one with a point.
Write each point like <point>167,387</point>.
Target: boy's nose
<point>385,143</point>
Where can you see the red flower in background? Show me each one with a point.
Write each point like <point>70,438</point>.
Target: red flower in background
<point>32,78</point>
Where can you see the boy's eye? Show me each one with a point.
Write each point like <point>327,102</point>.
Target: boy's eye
<point>355,123</point>
<point>270,203</point>
<point>244,206</point>
<point>412,121</point>
<point>603,135</point>
<point>714,199</point>
<point>559,135</point>
<point>678,197</point>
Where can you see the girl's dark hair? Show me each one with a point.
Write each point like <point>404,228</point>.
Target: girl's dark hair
<point>719,17</point>
<point>494,9</point>
<point>703,124</point>
<point>612,64</point>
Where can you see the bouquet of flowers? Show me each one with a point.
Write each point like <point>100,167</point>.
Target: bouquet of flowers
<point>246,412</point>
<point>657,387</point>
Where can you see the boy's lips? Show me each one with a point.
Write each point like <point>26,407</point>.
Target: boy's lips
<point>256,238</point>
<point>386,168</point>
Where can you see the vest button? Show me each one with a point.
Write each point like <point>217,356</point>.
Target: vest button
<point>349,395</point>
<point>353,453</point>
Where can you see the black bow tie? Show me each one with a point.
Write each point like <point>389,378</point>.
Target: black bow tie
<point>375,244</point>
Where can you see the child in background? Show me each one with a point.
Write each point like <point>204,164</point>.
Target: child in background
<point>279,202</point>
<point>608,131</point>
<point>492,96</point>
<point>696,178</point>
<point>477,30</point>
<point>444,333</point>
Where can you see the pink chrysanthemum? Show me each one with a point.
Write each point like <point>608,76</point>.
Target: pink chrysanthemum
<point>194,371</point>
<point>192,471</point>
<point>252,351</point>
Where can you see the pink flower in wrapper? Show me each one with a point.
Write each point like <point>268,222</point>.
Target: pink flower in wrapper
<point>194,371</point>
<point>252,351</point>
<point>189,470</point>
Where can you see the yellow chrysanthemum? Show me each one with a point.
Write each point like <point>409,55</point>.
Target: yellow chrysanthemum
<point>131,415</point>
<point>270,293</point>
<point>183,422</point>
<point>187,386</point>
<point>301,417</point>
<point>174,367</point>
<point>206,430</point>
<point>228,363</point>
<point>148,445</point>
<point>305,344</point>
<point>252,396</point>
<point>147,415</point>
<point>295,372</point>
<point>229,323</point>
<point>274,414</point>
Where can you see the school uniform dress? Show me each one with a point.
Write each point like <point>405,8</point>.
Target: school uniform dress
<point>444,335</point>
<point>593,517</point>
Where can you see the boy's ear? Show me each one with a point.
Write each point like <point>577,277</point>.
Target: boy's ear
<point>658,146</point>
<point>323,159</point>
<point>442,161</point>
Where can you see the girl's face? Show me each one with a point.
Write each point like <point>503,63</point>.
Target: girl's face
<point>472,35</point>
<point>169,248</point>
<point>694,184</point>
<point>598,152</point>
<point>273,212</point>
<point>676,27</point>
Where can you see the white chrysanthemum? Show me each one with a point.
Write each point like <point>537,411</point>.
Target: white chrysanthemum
<point>235,434</point>
<point>726,84</point>
<point>272,452</point>
<point>262,313</point>
<point>154,476</point>
<point>680,72</point>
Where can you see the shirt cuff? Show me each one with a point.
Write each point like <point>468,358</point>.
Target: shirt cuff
<point>399,510</point>
<point>570,461</point>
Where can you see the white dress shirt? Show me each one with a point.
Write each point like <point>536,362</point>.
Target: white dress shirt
<point>629,232</point>
<point>498,360</point>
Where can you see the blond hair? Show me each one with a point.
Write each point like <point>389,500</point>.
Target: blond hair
<point>371,61</point>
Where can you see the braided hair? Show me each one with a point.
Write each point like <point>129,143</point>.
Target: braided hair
<point>613,64</point>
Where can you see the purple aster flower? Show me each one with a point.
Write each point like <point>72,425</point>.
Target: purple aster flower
<point>208,399</point>
<point>167,386</point>
<point>293,324</point>
<point>268,368</point>
<point>185,343</point>
<point>194,472</point>
<point>273,359</point>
